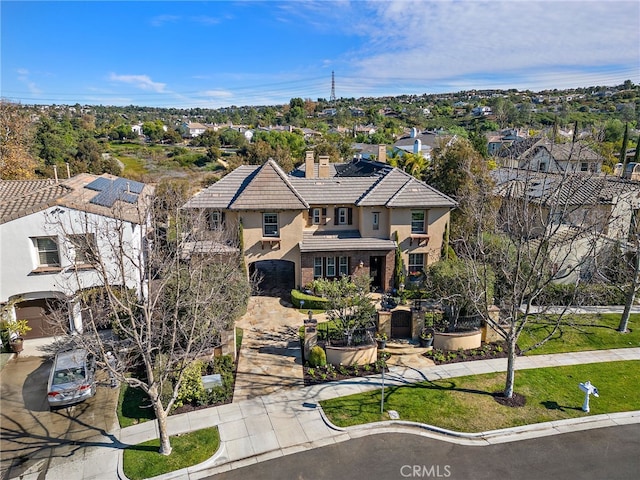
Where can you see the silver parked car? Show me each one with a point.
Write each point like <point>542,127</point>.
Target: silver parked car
<point>72,378</point>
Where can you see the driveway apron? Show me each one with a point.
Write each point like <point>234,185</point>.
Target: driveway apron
<point>32,438</point>
<point>269,358</point>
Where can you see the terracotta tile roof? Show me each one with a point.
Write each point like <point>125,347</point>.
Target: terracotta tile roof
<point>19,198</point>
<point>567,189</point>
<point>343,240</point>
<point>267,187</point>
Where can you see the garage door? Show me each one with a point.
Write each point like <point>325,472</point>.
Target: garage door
<point>276,277</point>
<point>36,312</point>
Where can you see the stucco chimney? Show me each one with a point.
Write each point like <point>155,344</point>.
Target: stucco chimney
<point>382,153</point>
<point>55,173</point>
<point>417,146</point>
<point>323,168</point>
<point>309,167</point>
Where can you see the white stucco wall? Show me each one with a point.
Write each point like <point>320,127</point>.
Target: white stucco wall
<point>19,257</point>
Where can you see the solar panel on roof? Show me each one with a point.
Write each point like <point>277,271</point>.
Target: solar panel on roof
<point>111,191</point>
<point>129,185</point>
<point>99,184</point>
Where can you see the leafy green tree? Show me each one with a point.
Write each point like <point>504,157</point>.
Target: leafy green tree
<point>122,132</point>
<point>232,138</point>
<point>154,131</point>
<point>207,139</point>
<point>350,306</point>
<point>172,136</point>
<point>623,148</point>
<point>613,130</point>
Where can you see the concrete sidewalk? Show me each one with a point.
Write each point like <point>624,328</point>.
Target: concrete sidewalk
<point>290,421</point>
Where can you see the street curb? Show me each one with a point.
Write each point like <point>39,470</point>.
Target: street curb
<point>183,472</point>
<point>511,434</point>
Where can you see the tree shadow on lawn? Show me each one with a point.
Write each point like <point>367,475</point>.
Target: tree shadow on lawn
<point>449,385</point>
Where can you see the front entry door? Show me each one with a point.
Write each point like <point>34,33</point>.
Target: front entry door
<point>376,265</point>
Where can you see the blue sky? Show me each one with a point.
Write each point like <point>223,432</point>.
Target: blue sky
<point>220,53</point>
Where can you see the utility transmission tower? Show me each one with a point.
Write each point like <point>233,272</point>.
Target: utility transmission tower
<point>332,98</point>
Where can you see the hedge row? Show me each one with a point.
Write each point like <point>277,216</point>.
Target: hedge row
<point>310,301</point>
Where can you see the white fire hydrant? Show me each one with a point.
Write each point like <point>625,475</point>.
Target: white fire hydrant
<point>588,389</point>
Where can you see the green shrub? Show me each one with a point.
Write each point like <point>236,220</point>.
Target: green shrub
<point>310,301</point>
<point>317,357</point>
<point>191,389</point>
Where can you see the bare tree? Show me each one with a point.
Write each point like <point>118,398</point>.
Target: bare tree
<point>189,287</point>
<point>544,234</point>
<point>16,162</point>
<point>619,266</point>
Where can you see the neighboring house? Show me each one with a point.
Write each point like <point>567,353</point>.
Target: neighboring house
<point>541,155</point>
<point>137,129</point>
<point>192,129</point>
<point>423,142</point>
<point>325,220</point>
<point>503,140</point>
<point>600,209</point>
<point>481,111</point>
<point>51,232</point>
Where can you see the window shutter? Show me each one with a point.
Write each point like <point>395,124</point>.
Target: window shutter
<point>324,216</point>
<point>335,216</point>
<point>350,216</point>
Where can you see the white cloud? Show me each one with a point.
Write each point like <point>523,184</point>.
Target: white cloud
<point>140,81</point>
<point>218,93</point>
<point>415,40</point>
<point>161,20</point>
<point>24,77</point>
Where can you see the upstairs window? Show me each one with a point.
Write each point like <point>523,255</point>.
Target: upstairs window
<point>417,221</point>
<point>47,250</point>
<point>85,248</point>
<point>215,219</point>
<point>270,225</point>
<point>375,220</point>
<point>316,216</point>
<point>343,216</point>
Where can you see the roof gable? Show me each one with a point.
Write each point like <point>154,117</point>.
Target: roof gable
<point>399,189</point>
<point>268,187</point>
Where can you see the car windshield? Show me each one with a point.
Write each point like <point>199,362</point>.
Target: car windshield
<point>70,375</point>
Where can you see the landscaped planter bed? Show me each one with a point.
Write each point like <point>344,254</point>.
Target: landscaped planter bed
<point>329,373</point>
<point>484,352</point>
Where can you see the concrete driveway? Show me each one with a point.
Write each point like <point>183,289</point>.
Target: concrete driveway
<point>33,439</point>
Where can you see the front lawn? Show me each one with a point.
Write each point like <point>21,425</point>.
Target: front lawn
<point>133,406</point>
<point>143,460</point>
<point>466,404</point>
<point>580,333</point>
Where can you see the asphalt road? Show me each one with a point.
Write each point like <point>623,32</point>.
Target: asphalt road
<point>605,453</point>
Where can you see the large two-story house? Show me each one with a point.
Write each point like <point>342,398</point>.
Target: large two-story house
<point>542,155</point>
<point>59,238</point>
<point>324,220</point>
